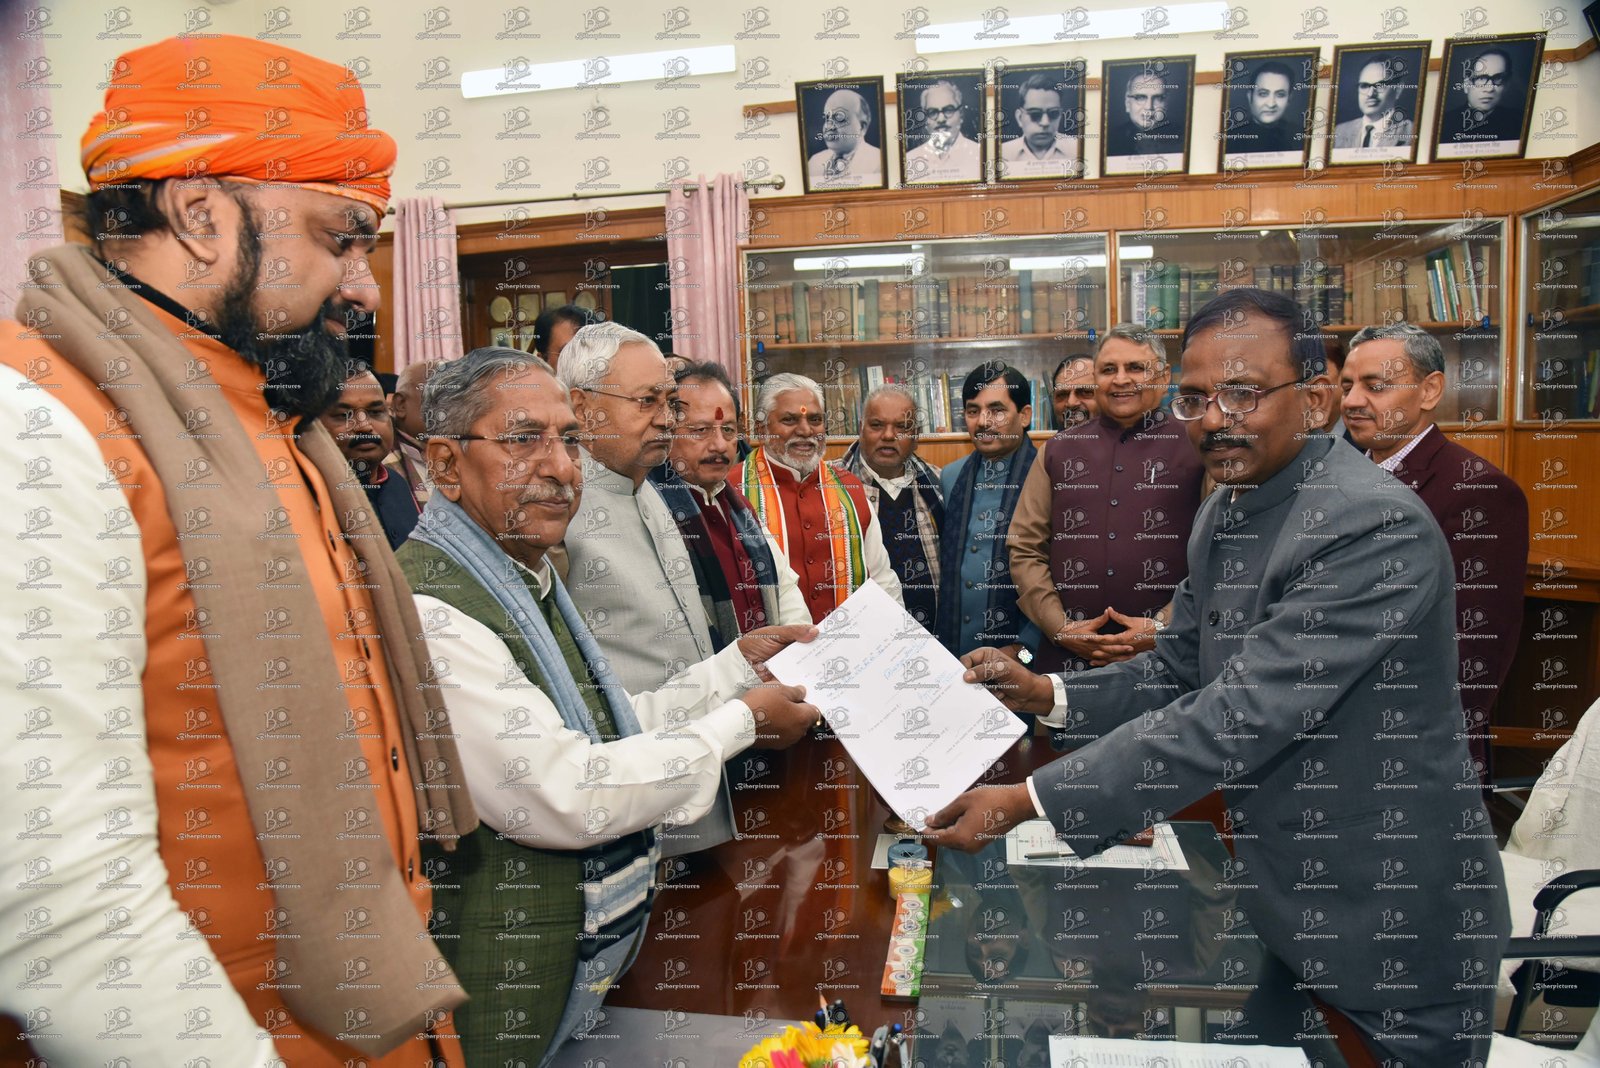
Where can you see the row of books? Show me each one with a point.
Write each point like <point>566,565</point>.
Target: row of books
<point>965,306</point>
<point>938,399</point>
<point>1455,284</point>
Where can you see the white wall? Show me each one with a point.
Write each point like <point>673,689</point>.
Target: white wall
<point>796,47</point>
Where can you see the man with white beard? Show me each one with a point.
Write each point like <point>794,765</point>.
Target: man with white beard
<point>818,515</point>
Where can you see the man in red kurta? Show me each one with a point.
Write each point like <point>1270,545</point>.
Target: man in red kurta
<point>817,514</point>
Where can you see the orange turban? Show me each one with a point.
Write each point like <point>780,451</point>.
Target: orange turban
<point>240,109</point>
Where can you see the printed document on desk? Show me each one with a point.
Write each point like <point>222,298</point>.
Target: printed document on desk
<point>1033,843</point>
<point>895,698</point>
<point>1068,1051</point>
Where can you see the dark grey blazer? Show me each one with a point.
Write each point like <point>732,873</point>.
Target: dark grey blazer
<point>1309,674</point>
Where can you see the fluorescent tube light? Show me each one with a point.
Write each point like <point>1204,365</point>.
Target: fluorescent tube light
<point>521,76</point>
<point>860,259</point>
<point>1056,263</point>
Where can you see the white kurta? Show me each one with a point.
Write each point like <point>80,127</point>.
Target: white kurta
<point>546,786</point>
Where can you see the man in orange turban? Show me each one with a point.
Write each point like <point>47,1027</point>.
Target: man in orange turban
<point>254,703</point>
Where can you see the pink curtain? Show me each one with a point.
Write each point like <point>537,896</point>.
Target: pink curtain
<point>427,285</point>
<point>703,244</point>
<point>28,139</point>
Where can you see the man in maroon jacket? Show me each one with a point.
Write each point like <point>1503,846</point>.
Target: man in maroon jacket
<point>1393,381</point>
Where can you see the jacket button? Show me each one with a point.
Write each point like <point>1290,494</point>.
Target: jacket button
<point>1111,535</point>
<point>1113,502</point>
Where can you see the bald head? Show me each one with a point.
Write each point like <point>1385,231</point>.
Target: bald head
<point>405,403</point>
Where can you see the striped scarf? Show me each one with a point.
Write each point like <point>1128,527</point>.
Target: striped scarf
<point>843,525</point>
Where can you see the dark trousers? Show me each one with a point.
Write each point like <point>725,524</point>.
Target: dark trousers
<point>1451,1034</point>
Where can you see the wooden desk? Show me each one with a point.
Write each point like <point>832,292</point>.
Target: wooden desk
<point>793,909</point>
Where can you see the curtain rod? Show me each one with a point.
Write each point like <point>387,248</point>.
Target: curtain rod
<point>687,187</point>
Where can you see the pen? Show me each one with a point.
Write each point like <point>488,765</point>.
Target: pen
<point>1052,855</point>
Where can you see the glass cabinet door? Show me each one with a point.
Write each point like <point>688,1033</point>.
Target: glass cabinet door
<point>923,314</point>
<point>1561,339</point>
<point>1445,276</point>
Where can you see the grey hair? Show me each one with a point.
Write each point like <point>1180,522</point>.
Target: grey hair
<point>455,396</point>
<point>1422,348</point>
<point>767,395</point>
<point>890,389</point>
<point>1140,335</point>
<point>587,357</point>
<point>955,91</point>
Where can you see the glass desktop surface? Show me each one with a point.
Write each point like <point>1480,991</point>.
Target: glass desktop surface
<point>1015,954</point>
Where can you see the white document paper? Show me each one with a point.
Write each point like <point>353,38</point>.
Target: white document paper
<point>895,698</point>
<point>1068,1051</point>
<point>1039,836</point>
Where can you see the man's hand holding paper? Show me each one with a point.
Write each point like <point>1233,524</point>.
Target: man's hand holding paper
<point>897,700</point>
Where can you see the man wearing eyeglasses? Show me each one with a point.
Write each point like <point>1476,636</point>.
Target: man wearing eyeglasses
<point>1072,391</point>
<point>1146,126</point>
<point>1041,148</point>
<point>745,583</point>
<point>1380,124</point>
<point>1308,674</point>
<point>1487,116</point>
<point>946,154</point>
<point>1097,541</point>
<point>543,906</point>
<point>848,160</point>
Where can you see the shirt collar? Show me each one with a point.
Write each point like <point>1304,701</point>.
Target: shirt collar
<point>600,476</point>
<point>892,486</point>
<point>540,574</point>
<point>706,496</point>
<point>1392,464</point>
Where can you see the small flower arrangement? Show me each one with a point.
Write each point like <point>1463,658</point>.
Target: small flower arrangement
<point>807,1046</point>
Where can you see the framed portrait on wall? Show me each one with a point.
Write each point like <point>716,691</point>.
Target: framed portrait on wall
<point>1377,101</point>
<point>1145,107</point>
<point>1266,108</point>
<point>1487,85</point>
<point>943,127</point>
<point>1039,121</point>
<point>841,134</point>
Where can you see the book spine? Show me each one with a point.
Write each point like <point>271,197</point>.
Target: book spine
<point>1336,294</point>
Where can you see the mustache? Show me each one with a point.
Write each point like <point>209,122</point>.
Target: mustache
<point>1223,441</point>
<point>545,494</point>
<point>361,439</point>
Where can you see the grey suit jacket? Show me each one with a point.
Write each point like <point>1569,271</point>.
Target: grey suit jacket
<point>1395,135</point>
<point>1309,674</point>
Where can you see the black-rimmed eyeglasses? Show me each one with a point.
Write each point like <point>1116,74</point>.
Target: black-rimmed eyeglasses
<point>1232,400</point>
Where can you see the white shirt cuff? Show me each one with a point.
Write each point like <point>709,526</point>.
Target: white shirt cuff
<point>1058,714</point>
<point>1034,794</point>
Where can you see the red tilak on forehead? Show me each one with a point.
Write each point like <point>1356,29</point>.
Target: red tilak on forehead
<point>718,416</point>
